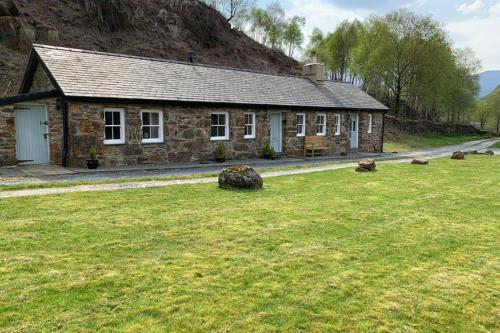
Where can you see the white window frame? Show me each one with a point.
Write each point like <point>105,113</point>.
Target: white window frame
<point>160,126</point>
<point>220,138</point>
<point>303,132</point>
<point>370,123</point>
<point>337,120</point>
<point>122,126</point>
<point>322,133</point>
<point>253,125</point>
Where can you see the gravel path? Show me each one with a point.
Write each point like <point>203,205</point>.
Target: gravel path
<point>165,183</point>
<point>428,153</point>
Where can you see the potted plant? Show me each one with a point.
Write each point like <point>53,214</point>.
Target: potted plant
<point>267,149</point>
<point>220,152</point>
<point>93,162</point>
<point>272,153</point>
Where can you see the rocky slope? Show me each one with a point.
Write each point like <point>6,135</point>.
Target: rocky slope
<point>167,29</point>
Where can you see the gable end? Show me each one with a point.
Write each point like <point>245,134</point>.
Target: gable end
<point>37,78</point>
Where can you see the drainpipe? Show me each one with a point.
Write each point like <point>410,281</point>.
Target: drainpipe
<point>64,157</point>
<point>383,132</point>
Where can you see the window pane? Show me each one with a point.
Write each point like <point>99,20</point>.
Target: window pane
<point>155,133</point>
<point>108,133</point>
<point>155,118</point>
<point>214,119</point>
<point>213,131</point>
<point>116,118</point>
<point>249,119</point>
<point>222,131</point>
<point>116,133</point>
<point>146,132</point>
<point>146,118</point>
<point>248,130</point>
<point>108,117</point>
<point>222,119</point>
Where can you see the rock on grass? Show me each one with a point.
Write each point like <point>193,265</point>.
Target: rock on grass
<point>419,161</point>
<point>367,165</point>
<point>240,176</point>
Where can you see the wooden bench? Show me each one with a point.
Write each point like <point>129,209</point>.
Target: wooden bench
<point>314,145</point>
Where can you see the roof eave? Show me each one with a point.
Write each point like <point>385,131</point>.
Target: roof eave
<point>29,97</point>
<point>116,100</point>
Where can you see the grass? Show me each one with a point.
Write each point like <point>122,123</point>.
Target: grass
<point>406,142</point>
<point>405,249</point>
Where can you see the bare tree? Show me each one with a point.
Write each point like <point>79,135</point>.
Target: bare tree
<point>232,9</point>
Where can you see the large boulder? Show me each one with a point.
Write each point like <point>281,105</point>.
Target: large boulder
<point>240,176</point>
<point>458,155</point>
<point>367,165</point>
<point>420,161</point>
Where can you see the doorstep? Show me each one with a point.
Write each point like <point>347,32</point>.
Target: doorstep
<point>41,170</point>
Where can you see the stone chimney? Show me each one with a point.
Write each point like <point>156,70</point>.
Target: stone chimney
<point>314,71</point>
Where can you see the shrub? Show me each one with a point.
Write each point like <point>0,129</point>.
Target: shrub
<point>267,148</point>
<point>220,152</point>
<point>272,153</point>
<point>93,153</point>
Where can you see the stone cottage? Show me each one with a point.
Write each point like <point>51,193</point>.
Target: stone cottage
<point>139,110</point>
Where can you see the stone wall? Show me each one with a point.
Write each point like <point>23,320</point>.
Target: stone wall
<point>187,134</point>
<point>55,118</point>
<point>371,142</point>
<point>7,136</point>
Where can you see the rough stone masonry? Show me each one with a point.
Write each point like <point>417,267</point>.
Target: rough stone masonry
<point>186,133</point>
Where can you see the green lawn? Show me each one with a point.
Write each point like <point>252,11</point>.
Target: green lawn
<point>405,143</point>
<point>405,249</point>
<point>496,145</point>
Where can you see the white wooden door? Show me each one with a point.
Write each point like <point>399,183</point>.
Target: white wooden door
<point>276,132</point>
<point>353,134</point>
<point>32,134</point>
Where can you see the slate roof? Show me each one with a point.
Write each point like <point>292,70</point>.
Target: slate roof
<point>81,73</point>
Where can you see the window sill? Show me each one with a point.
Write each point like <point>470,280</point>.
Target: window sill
<point>249,137</point>
<point>219,139</point>
<point>146,142</point>
<point>114,143</point>
<point>320,134</point>
<point>301,135</point>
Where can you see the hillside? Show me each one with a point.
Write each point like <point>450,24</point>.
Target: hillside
<point>167,29</point>
<point>488,81</point>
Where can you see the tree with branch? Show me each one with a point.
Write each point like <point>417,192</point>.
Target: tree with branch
<point>232,9</point>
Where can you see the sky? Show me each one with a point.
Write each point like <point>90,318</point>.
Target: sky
<point>470,23</point>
